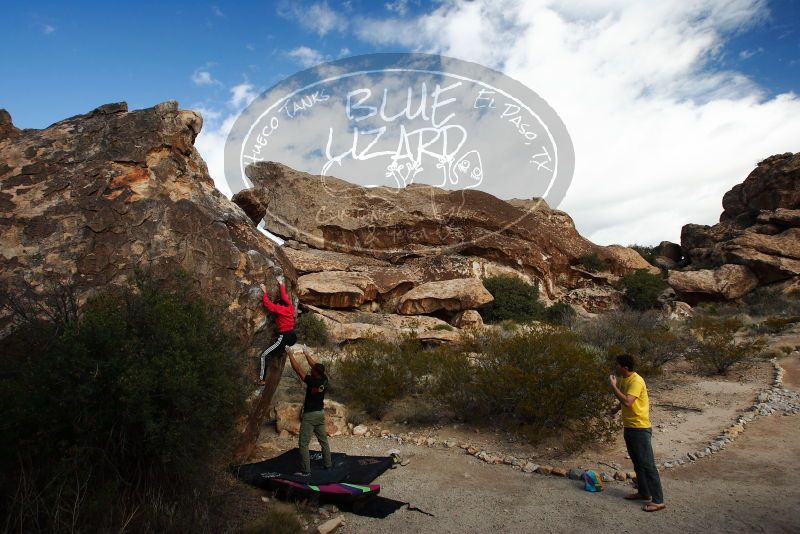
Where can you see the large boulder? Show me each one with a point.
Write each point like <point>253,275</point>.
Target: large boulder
<point>467,319</point>
<point>451,295</point>
<point>623,260</point>
<point>770,257</point>
<point>422,222</point>
<point>726,282</point>
<point>669,250</point>
<point>89,199</point>
<point>336,289</point>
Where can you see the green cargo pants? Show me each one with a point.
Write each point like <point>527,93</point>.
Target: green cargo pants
<point>313,422</point>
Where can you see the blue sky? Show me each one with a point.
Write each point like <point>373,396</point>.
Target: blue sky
<point>65,58</point>
<point>730,66</point>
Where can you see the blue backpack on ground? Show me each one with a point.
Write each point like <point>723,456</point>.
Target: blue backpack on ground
<point>592,482</point>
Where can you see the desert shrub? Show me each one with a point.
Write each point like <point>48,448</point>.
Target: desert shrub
<point>113,416</point>
<point>642,289</point>
<point>280,518</point>
<point>718,348</point>
<point>538,383</point>
<point>507,325</point>
<point>775,325</point>
<point>375,372</point>
<point>514,300</point>
<point>646,252</point>
<point>592,263</point>
<point>766,301</point>
<point>559,314</point>
<point>652,341</point>
<point>446,327</point>
<point>311,331</point>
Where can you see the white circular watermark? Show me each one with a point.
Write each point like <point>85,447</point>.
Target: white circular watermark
<point>387,121</point>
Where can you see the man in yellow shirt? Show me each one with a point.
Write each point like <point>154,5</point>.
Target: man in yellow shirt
<point>632,395</point>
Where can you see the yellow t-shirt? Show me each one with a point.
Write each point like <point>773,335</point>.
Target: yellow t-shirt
<point>637,415</point>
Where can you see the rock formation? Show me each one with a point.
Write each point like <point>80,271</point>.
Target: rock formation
<point>90,198</point>
<point>397,251</point>
<point>759,229</point>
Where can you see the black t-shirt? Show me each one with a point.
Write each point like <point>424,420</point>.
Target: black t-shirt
<point>315,393</point>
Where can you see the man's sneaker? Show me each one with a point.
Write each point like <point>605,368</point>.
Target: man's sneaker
<point>302,474</point>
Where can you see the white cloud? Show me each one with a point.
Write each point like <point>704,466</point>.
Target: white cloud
<point>217,11</point>
<point>47,29</point>
<point>317,17</point>
<point>203,77</point>
<point>211,144</point>
<point>307,57</point>
<point>242,95</point>
<point>747,54</point>
<point>660,131</point>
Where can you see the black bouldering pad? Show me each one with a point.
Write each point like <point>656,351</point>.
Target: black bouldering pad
<point>347,481</point>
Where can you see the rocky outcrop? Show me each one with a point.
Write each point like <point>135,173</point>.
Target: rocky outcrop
<point>450,295</point>
<point>90,198</point>
<point>419,220</point>
<point>727,282</point>
<point>774,184</point>
<point>351,289</point>
<point>759,227</point>
<point>401,239</point>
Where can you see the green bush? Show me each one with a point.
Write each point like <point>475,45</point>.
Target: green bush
<point>652,341</point>
<point>592,263</point>
<point>718,348</point>
<point>559,314</point>
<point>373,373</point>
<point>646,252</point>
<point>642,289</point>
<point>115,414</point>
<point>539,383</point>
<point>445,327</point>
<point>311,331</point>
<point>514,300</point>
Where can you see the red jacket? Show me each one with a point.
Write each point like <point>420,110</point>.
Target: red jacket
<point>284,315</point>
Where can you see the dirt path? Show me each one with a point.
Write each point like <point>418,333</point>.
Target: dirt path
<point>750,487</point>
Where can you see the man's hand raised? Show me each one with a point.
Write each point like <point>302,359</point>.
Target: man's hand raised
<point>612,379</point>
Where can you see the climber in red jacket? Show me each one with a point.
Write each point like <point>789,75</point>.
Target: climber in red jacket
<point>284,321</point>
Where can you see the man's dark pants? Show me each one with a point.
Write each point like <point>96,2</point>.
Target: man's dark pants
<point>640,448</point>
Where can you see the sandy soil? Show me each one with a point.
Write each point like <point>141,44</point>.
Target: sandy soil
<point>750,487</point>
